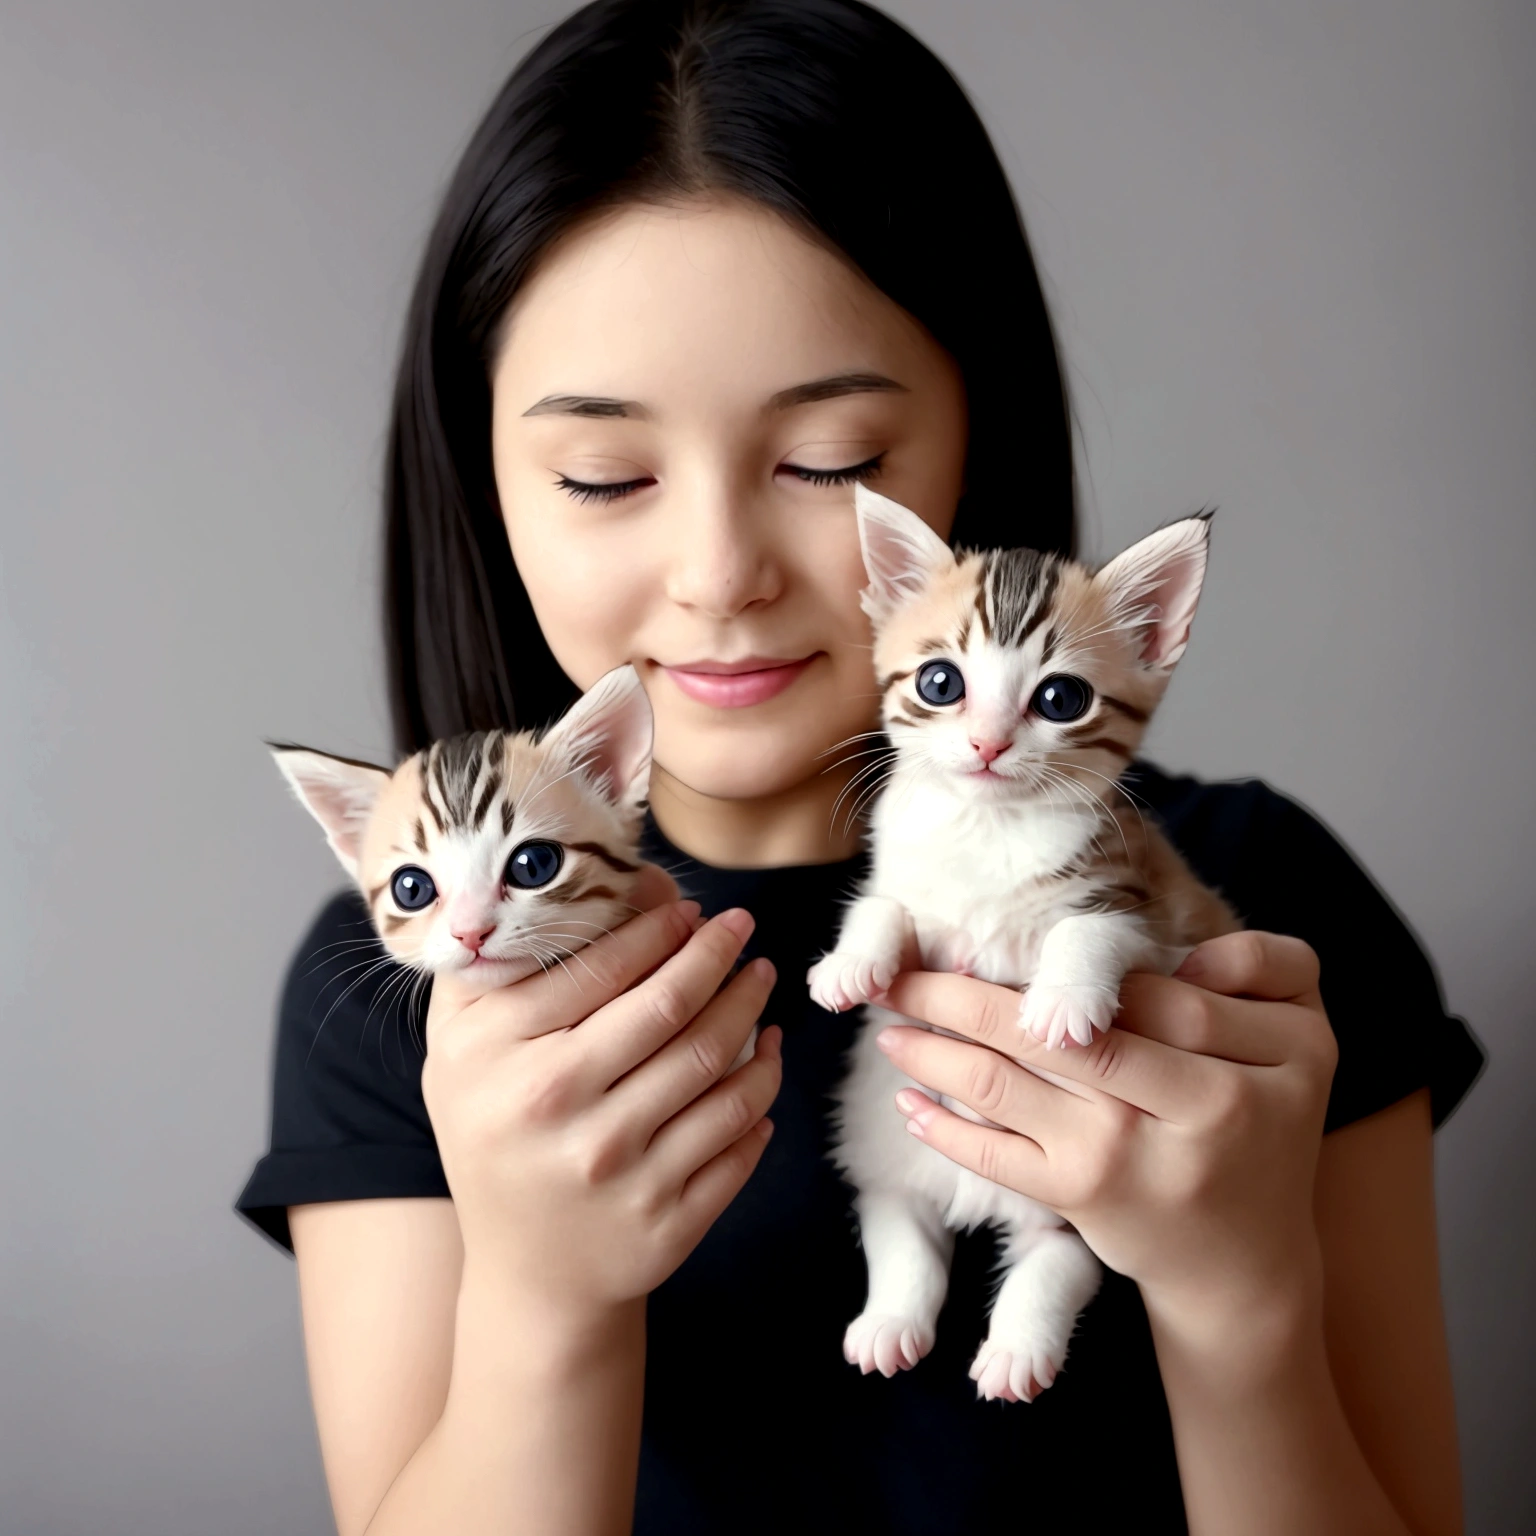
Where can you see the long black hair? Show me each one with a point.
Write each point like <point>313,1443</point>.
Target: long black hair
<point>826,111</point>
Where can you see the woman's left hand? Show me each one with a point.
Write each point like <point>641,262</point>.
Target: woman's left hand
<point>1182,1144</point>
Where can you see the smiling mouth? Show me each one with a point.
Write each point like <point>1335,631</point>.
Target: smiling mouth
<point>737,684</point>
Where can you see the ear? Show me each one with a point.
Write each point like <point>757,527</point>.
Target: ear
<point>1154,586</point>
<point>902,554</point>
<point>337,792</point>
<point>607,733</point>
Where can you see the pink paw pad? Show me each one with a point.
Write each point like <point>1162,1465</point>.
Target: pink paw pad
<point>881,1342</point>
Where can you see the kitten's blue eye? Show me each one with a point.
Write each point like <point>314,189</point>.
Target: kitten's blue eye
<point>940,683</point>
<point>412,889</point>
<point>1062,698</point>
<point>534,864</point>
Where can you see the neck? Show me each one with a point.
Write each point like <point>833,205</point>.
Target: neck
<point>794,827</point>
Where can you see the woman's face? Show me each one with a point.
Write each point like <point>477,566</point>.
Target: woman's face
<point>683,400</point>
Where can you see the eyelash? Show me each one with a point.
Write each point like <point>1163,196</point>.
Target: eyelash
<point>583,490</point>
<point>839,476</point>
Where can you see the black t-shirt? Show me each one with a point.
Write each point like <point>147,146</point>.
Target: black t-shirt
<point>753,1420</point>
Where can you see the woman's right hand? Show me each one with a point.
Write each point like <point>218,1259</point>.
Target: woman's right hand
<point>583,1115</point>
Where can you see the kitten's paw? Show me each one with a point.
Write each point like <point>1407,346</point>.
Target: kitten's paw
<point>1017,1371</point>
<point>1058,1014</point>
<point>841,980</point>
<point>877,1341</point>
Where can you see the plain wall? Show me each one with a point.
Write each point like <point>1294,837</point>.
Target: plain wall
<point>1289,249</point>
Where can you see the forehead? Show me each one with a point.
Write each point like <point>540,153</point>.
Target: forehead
<point>545,802</point>
<point>1012,600</point>
<point>702,303</point>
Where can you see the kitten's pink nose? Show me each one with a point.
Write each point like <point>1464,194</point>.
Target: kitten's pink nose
<point>987,750</point>
<point>472,938</point>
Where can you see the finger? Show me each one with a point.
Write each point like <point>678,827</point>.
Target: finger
<point>717,1120</point>
<point>719,1181</point>
<point>985,1081</point>
<point>1154,1077</point>
<point>594,975</point>
<point>622,1034</point>
<point>1189,1018</point>
<point>699,1055</point>
<point>1254,964</point>
<point>1007,1158</point>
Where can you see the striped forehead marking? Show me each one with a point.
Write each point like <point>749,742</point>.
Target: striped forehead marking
<point>1020,587</point>
<point>462,777</point>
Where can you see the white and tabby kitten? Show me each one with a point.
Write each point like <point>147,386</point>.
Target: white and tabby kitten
<point>497,853</point>
<point>1015,688</point>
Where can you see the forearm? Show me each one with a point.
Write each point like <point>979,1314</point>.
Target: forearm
<point>540,1432</point>
<point>1263,1445</point>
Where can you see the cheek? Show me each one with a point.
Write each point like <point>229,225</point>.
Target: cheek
<point>589,583</point>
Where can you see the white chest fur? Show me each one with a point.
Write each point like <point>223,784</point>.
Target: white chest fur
<point>982,883</point>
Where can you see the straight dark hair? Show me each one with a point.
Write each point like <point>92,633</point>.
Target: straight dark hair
<point>826,111</point>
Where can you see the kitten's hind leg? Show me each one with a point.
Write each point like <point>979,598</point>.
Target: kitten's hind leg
<point>907,1249</point>
<point>1053,1277</point>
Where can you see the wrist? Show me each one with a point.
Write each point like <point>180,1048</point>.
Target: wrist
<point>1240,1331</point>
<point>502,1329</point>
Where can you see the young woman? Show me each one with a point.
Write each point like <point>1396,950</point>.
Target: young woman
<point>703,266</point>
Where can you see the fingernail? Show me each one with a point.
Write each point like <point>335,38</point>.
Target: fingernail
<point>689,909</point>
<point>916,1127</point>
<point>765,1128</point>
<point>909,1101</point>
<point>764,969</point>
<point>739,922</point>
<point>772,1041</point>
<point>1194,963</point>
<point>888,1039</point>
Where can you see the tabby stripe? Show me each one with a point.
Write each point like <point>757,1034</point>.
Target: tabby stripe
<point>1130,711</point>
<point>507,813</point>
<point>900,719</point>
<point>612,860</point>
<point>426,790</point>
<point>393,923</point>
<point>487,795</point>
<point>1048,648</point>
<point>981,608</point>
<point>1104,744</point>
<point>890,680</point>
<point>421,836</point>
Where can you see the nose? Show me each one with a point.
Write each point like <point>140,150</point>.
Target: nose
<point>471,936</point>
<point>987,750</point>
<point>720,561</point>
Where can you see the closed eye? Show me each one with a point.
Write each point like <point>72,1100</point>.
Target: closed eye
<point>867,469</point>
<point>605,490</point>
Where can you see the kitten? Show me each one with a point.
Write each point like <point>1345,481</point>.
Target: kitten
<point>1015,688</point>
<point>494,854</point>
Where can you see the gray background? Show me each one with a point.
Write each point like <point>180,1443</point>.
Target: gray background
<point>1290,252</point>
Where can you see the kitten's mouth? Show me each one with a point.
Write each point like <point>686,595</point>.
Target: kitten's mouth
<point>738,684</point>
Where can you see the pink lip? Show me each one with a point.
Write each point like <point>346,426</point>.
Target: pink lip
<point>737,684</point>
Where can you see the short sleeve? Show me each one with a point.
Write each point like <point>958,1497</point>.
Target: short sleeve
<point>348,1120</point>
<point>1285,872</point>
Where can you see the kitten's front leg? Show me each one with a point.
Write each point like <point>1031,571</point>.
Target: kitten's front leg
<point>1076,985</point>
<point>907,1250</point>
<point>867,955</point>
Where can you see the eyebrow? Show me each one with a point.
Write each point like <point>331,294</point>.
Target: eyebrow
<point>585,405</point>
<point>829,388</point>
<point>834,385</point>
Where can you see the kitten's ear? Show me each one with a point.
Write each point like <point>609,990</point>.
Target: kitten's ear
<point>1154,586</point>
<point>607,732</point>
<point>902,554</point>
<point>337,792</point>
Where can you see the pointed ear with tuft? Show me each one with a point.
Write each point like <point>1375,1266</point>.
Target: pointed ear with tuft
<point>607,733</point>
<point>902,554</point>
<point>1154,586</point>
<point>339,793</point>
